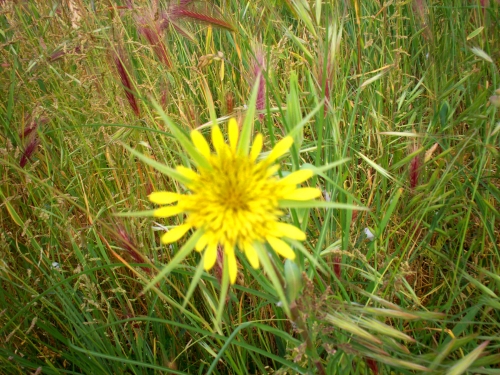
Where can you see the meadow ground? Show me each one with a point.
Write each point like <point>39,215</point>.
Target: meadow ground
<point>400,269</point>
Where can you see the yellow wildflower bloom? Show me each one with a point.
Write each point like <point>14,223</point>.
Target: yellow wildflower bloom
<point>235,199</point>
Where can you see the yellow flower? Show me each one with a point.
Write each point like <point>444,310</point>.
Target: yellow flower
<point>235,199</point>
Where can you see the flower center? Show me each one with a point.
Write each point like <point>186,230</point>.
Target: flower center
<point>235,200</point>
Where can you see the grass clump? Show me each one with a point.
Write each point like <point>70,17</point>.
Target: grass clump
<point>393,106</point>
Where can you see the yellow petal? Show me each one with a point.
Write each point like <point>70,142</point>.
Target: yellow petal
<point>217,139</point>
<point>175,234</point>
<point>202,242</point>
<point>164,197</point>
<point>297,177</point>
<point>286,189</point>
<point>256,147</point>
<point>187,172</point>
<point>290,231</point>
<point>233,134</point>
<point>303,194</point>
<point>252,256</point>
<point>210,257</point>
<point>280,149</point>
<point>231,262</point>
<point>200,143</point>
<point>272,170</point>
<point>281,247</point>
<point>168,211</point>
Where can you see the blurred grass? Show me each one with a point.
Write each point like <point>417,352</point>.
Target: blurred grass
<point>398,81</point>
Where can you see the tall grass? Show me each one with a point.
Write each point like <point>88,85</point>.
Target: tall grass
<point>395,89</point>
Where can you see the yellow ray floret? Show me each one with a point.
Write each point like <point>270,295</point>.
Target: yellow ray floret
<point>251,255</point>
<point>236,202</point>
<point>280,149</point>
<point>290,231</point>
<point>210,257</point>
<point>231,261</point>
<point>200,143</point>
<point>233,134</point>
<point>303,194</point>
<point>164,197</point>
<point>175,233</point>
<point>168,211</point>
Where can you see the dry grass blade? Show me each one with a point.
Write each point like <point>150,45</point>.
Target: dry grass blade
<point>349,326</point>
<point>389,313</point>
<point>461,366</point>
<point>385,329</point>
<point>399,363</point>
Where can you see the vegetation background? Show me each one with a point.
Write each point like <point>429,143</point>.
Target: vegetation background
<point>405,90</point>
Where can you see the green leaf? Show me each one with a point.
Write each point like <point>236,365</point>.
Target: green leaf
<point>261,327</point>
<point>392,206</point>
<point>478,284</point>
<point>444,350</point>
<point>324,168</point>
<point>179,257</point>
<point>299,43</point>
<point>349,326</point>
<point>475,33</point>
<point>223,293</point>
<point>246,130</point>
<point>194,282</point>
<point>184,140</point>
<point>298,128</point>
<point>462,365</point>
<point>270,270</point>
<point>158,166</point>
<point>399,363</point>
<point>148,213</point>
<point>12,212</point>
<point>387,330</point>
<point>293,278</point>
<point>122,359</point>
<point>375,166</point>
<point>293,111</point>
<point>319,204</point>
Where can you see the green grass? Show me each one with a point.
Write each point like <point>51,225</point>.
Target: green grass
<point>401,95</point>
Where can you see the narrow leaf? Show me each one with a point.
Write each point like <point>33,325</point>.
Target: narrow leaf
<point>392,206</point>
<point>269,269</point>
<point>324,168</point>
<point>475,33</point>
<point>178,258</point>
<point>159,166</point>
<point>462,365</point>
<point>352,328</point>
<point>194,283</point>
<point>12,212</point>
<point>375,166</point>
<point>246,130</point>
<point>385,329</point>
<point>319,204</point>
<point>148,213</point>
<point>399,363</point>
<point>183,139</point>
<point>297,128</point>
